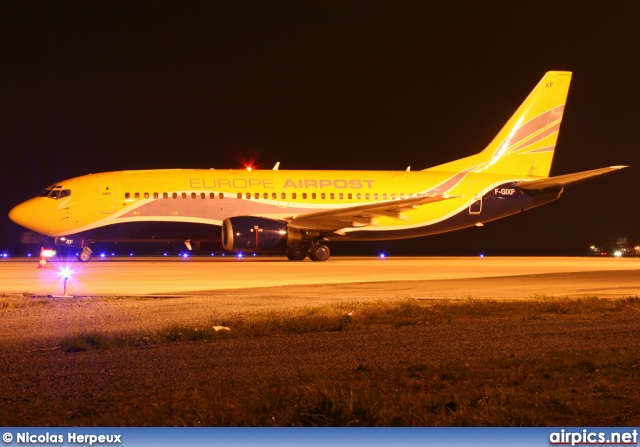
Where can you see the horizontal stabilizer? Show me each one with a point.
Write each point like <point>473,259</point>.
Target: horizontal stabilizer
<point>562,180</point>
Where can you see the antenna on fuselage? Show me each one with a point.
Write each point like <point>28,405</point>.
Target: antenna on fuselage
<point>408,168</point>
<point>277,165</point>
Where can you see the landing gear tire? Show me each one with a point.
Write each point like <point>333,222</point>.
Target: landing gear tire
<point>297,253</point>
<point>85,255</point>
<point>319,252</point>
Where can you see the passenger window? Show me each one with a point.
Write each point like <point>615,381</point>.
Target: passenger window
<point>283,196</point>
<point>384,196</point>
<point>341,196</point>
<point>212,195</point>
<point>203,195</point>
<point>332,196</point>
<point>304,195</point>
<point>393,196</point>
<point>293,196</point>
<point>146,195</point>
<point>313,195</point>
<point>165,195</point>
<point>248,195</point>
<point>256,195</point>
<point>193,195</point>
<point>274,195</point>
<point>174,195</point>
<point>349,196</point>
<point>265,195</point>
<point>375,196</point>
<point>155,195</point>
<point>239,195</point>
<point>359,196</point>
<point>401,195</point>
<point>366,196</point>
<point>221,195</point>
<point>323,196</point>
<point>127,196</point>
<point>136,195</point>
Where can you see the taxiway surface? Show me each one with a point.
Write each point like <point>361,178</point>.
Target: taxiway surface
<point>434,277</point>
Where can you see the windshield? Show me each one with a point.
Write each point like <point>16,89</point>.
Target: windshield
<point>55,193</point>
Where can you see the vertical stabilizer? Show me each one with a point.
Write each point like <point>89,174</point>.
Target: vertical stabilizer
<point>526,143</point>
<point>524,147</point>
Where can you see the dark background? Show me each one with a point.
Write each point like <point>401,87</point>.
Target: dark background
<point>99,86</point>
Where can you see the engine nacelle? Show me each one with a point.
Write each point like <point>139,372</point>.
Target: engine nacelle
<point>250,234</point>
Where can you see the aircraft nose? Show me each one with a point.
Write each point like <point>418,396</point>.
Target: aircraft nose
<point>24,215</point>
<point>18,213</point>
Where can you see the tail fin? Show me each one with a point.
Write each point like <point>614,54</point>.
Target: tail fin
<point>526,143</point>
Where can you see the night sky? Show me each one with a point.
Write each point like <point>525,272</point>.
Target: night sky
<point>100,86</point>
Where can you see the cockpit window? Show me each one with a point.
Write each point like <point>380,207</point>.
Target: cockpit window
<point>55,193</point>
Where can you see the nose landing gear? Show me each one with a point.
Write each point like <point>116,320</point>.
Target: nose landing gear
<point>85,255</point>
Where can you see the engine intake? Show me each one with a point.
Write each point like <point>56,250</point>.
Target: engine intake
<point>249,234</point>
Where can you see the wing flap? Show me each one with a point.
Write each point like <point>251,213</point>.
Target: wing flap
<point>360,215</point>
<point>562,180</point>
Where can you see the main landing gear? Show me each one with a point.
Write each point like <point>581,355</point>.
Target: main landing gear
<point>316,252</point>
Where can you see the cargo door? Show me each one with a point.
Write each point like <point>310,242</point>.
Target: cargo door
<point>475,192</point>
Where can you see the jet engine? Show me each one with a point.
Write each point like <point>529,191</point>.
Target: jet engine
<point>250,234</point>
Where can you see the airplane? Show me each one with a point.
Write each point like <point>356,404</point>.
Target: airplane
<point>296,212</point>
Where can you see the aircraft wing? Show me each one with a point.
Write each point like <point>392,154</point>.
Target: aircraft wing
<point>360,215</point>
<point>562,180</point>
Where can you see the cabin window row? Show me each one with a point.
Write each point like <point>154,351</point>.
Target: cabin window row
<point>174,195</point>
<point>274,196</point>
<point>330,196</point>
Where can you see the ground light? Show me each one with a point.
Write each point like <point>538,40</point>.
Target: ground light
<point>64,273</point>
